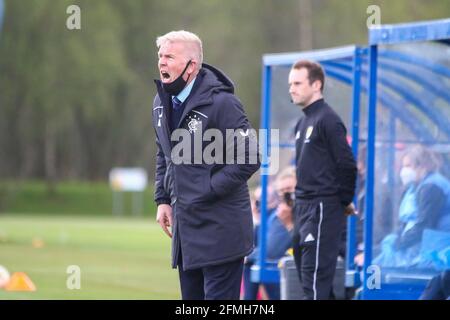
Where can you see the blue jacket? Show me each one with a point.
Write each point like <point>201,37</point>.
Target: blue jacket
<point>424,213</point>
<point>443,184</point>
<point>210,202</point>
<point>431,201</point>
<point>279,240</point>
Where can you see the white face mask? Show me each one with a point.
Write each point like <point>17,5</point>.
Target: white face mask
<point>408,175</point>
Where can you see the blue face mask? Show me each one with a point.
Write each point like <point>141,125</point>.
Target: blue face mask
<point>174,88</point>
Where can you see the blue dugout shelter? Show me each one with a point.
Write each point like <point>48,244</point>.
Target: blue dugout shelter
<point>392,94</point>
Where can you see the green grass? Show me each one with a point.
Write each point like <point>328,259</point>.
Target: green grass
<point>120,258</point>
<point>73,198</point>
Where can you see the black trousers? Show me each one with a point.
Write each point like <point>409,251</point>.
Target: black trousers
<point>218,282</point>
<point>319,225</point>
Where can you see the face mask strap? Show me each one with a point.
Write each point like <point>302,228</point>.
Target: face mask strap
<point>185,68</point>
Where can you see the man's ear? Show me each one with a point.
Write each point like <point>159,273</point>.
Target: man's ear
<point>316,85</point>
<point>192,67</point>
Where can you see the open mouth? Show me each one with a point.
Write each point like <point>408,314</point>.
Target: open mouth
<point>165,75</point>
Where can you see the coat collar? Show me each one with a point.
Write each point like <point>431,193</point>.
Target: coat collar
<point>209,81</point>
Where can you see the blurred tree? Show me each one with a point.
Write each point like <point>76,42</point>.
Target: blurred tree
<point>60,88</point>
<point>75,103</point>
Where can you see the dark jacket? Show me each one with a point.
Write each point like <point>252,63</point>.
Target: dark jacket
<point>325,163</point>
<point>210,202</point>
<point>432,202</point>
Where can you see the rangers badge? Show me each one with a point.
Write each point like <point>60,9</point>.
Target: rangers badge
<point>194,123</point>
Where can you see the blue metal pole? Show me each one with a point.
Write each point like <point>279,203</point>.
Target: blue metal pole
<point>356,93</point>
<point>370,181</point>
<point>265,124</point>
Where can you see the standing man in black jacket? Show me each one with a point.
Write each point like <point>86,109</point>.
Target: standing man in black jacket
<point>326,177</point>
<point>206,203</point>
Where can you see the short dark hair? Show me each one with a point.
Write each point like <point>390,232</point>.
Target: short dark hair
<point>315,71</point>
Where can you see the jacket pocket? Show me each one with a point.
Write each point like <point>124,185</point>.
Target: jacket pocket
<point>193,183</point>
<point>208,193</point>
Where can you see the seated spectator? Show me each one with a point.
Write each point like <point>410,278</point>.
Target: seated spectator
<point>424,205</point>
<point>279,238</point>
<point>251,289</point>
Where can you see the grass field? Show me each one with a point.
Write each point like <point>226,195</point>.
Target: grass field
<point>120,258</point>
<point>68,198</point>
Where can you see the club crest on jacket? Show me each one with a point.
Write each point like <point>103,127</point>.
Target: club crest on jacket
<point>194,123</point>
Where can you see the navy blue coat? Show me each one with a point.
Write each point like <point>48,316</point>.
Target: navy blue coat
<point>210,202</point>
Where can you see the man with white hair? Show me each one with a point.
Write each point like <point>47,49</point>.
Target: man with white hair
<point>206,204</point>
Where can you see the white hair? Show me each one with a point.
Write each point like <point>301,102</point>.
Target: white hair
<point>187,37</point>
<point>288,172</point>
